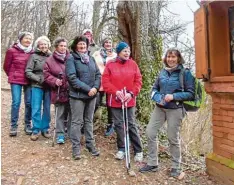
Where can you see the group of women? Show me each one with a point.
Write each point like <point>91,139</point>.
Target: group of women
<point>76,81</point>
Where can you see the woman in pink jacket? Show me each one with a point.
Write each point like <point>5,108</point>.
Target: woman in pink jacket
<point>14,66</point>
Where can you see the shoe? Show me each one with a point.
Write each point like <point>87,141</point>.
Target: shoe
<point>46,134</point>
<point>175,172</point>
<point>28,130</point>
<point>94,151</point>
<point>109,131</point>
<point>60,139</point>
<point>138,157</point>
<point>120,155</point>
<point>76,156</point>
<point>34,136</point>
<point>13,131</point>
<point>148,168</point>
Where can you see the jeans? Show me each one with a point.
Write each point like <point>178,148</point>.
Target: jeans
<point>16,91</point>
<point>40,120</point>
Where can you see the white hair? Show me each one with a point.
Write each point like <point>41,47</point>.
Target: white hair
<point>45,38</point>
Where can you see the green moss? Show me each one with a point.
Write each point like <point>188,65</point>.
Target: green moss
<point>227,162</point>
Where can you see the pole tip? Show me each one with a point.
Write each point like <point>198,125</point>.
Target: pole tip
<point>131,173</point>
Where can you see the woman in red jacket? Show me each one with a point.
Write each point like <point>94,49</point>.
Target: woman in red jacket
<point>14,66</point>
<point>119,73</point>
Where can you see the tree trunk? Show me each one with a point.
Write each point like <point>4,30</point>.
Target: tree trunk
<point>57,18</point>
<point>129,25</point>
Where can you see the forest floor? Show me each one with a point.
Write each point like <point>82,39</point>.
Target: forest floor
<point>37,162</point>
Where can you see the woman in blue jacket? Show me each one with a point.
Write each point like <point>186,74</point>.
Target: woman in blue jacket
<point>84,80</point>
<point>169,97</point>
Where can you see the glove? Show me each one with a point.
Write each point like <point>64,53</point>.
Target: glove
<point>120,95</point>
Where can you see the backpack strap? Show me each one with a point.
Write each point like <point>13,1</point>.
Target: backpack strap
<point>181,78</point>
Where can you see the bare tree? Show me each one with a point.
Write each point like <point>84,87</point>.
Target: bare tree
<point>58,17</point>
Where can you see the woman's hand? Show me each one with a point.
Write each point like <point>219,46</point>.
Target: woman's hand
<point>120,95</point>
<point>127,97</point>
<point>59,82</point>
<point>92,92</point>
<point>168,97</point>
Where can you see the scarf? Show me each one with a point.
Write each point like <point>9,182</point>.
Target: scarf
<point>105,53</point>
<point>25,49</point>
<point>61,56</point>
<point>171,69</point>
<point>84,57</point>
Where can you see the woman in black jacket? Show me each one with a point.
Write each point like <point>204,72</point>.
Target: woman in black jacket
<point>84,79</point>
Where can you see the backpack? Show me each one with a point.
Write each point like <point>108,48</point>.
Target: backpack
<point>199,98</point>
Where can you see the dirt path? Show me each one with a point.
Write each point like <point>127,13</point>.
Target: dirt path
<point>36,163</point>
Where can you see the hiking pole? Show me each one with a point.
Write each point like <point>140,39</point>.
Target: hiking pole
<point>56,109</point>
<point>126,137</point>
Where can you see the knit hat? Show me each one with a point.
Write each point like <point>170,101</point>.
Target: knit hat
<point>77,40</point>
<point>45,38</point>
<point>121,46</point>
<point>23,34</point>
<point>104,40</point>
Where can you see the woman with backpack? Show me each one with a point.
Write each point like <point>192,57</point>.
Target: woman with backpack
<point>169,97</point>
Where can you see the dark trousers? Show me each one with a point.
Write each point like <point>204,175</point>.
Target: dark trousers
<point>82,115</point>
<point>63,116</point>
<point>99,99</point>
<point>134,136</point>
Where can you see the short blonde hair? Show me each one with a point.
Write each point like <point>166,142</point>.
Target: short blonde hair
<point>45,38</point>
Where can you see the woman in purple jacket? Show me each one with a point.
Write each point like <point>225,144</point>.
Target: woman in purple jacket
<point>54,76</point>
<point>14,66</point>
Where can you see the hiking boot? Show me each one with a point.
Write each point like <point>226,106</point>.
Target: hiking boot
<point>148,168</point>
<point>34,136</point>
<point>109,131</point>
<point>175,172</point>
<point>13,131</point>
<point>94,151</point>
<point>46,134</point>
<point>138,157</point>
<point>60,139</point>
<point>28,130</point>
<point>120,155</point>
<point>76,156</point>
